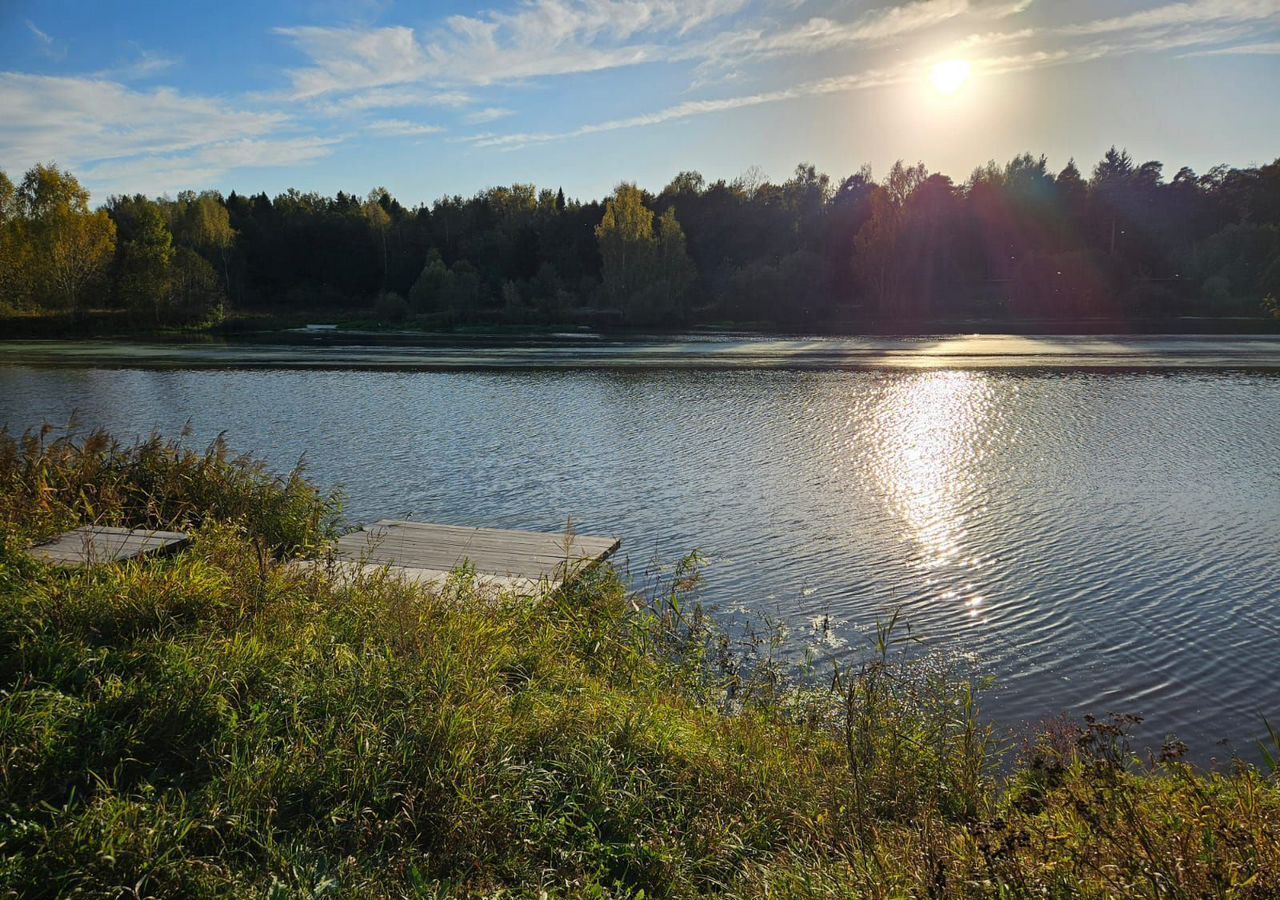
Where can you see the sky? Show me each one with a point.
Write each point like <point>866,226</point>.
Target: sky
<point>437,98</point>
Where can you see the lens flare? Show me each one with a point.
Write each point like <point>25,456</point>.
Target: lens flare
<point>950,76</point>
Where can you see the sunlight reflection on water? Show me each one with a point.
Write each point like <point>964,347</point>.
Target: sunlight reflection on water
<point>929,435</point>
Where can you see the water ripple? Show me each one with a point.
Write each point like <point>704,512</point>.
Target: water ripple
<point>1095,541</point>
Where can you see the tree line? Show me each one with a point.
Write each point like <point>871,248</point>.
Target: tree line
<point>1014,241</point>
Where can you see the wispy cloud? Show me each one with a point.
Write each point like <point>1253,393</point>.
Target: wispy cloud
<point>539,38</point>
<point>489,114</point>
<point>1267,48</point>
<point>692,108</point>
<point>175,172</point>
<point>116,134</point>
<point>1073,46</point>
<point>402,128</point>
<point>147,64</point>
<point>392,98</point>
<point>354,69</point>
<point>48,46</point>
<point>1195,12</point>
<point>821,34</point>
<point>48,114</point>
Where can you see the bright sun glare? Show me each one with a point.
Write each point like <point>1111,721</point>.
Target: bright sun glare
<point>951,75</point>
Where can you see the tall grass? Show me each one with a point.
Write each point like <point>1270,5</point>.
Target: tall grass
<point>49,483</point>
<point>223,723</point>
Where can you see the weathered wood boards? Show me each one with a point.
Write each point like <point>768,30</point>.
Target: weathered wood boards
<point>94,544</point>
<point>428,553</point>
<point>522,560</point>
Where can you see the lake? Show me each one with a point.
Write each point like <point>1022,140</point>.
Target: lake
<point>1093,522</point>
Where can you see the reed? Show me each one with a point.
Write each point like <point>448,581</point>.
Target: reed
<point>53,479</point>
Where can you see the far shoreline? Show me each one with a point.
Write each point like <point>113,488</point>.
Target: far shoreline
<point>339,326</point>
<point>656,352</point>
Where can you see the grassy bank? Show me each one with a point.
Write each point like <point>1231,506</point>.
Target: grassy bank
<point>220,722</point>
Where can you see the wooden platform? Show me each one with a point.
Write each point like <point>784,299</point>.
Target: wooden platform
<point>516,559</point>
<point>94,544</point>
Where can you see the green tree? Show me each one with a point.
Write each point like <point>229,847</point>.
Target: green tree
<point>146,279</point>
<point>875,252</point>
<point>379,220</point>
<point>432,285</point>
<point>548,290</point>
<point>70,245</point>
<point>463,291</point>
<point>647,274</point>
<point>204,224</point>
<point>675,270</point>
<point>11,237</point>
<point>1110,187</point>
<point>1072,195</point>
<point>195,295</point>
<point>8,199</point>
<point>625,237</point>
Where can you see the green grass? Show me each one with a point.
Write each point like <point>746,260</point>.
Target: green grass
<point>223,723</point>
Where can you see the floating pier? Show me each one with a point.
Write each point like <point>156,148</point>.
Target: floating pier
<point>513,559</point>
<point>94,544</point>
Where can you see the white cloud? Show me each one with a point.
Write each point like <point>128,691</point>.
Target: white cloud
<point>173,173</point>
<point>243,154</point>
<point>355,68</point>
<point>100,119</point>
<point>127,139</point>
<point>1267,48</point>
<point>490,114</point>
<point>147,64</point>
<point>539,38</point>
<point>202,168</point>
<point>1054,50</point>
<point>350,59</point>
<point>1194,12</point>
<point>402,128</point>
<point>392,98</point>
<point>822,34</point>
<point>692,108</point>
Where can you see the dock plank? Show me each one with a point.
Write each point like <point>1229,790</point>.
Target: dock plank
<point>94,544</point>
<point>511,557</point>
<point>575,550</point>
<point>453,534</point>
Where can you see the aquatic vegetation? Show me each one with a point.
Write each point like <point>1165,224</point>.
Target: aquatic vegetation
<point>221,722</point>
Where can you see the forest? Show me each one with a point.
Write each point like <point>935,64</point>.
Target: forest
<point>1013,242</point>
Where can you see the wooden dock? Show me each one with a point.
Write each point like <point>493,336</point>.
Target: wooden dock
<point>95,544</point>
<point>510,559</point>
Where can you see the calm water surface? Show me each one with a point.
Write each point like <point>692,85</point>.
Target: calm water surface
<point>1095,540</point>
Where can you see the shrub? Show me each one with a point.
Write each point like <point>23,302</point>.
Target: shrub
<point>391,307</point>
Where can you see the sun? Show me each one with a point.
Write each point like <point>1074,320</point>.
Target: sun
<point>950,76</point>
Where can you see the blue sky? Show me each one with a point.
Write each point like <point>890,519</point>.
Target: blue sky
<point>441,98</point>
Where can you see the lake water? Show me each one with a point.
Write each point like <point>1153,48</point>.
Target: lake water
<point>1093,522</point>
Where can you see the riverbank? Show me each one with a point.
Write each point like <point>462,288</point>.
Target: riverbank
<point>222,723</point>
<point>107,324</point>
<point>325,350</point>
